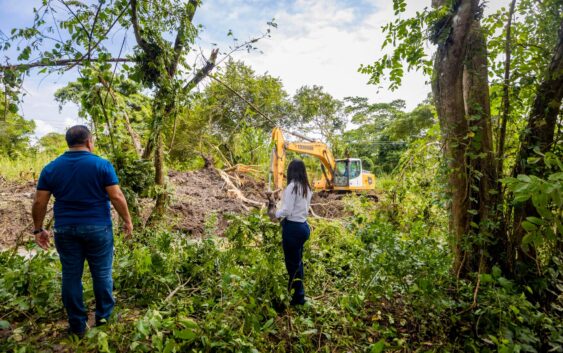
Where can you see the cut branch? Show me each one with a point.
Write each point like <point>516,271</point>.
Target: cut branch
<point>234,190</point>
<point>203,72</point>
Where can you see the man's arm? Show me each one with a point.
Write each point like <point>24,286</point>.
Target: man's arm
<point>120,204</point>
<point>38,211</point>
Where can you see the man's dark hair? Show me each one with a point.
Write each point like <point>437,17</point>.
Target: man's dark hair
<point>77,135</point>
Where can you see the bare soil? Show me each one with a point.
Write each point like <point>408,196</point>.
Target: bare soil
<point>200,203</point>
<point>15,211</point>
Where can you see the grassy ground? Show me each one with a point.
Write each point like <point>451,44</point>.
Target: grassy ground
<point>25,168</point>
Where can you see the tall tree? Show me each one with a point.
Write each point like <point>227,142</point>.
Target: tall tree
<point>319,111</point>
<point>461,95</point>
<point>221,115</point>
<point>15,131</point>
<point>480,157</point>
<point>461,92</point>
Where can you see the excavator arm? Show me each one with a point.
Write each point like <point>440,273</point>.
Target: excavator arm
<point>312,148</point>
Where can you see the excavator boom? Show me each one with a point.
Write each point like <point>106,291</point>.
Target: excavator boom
<point>313,148</point>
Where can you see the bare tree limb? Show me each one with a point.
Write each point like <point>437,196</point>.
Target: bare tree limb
<point>63,62</point>
<point>92,29</point>
<point>136,28</point>
<point>181,36</point>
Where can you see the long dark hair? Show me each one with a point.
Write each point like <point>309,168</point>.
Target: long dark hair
<point>297,174</point>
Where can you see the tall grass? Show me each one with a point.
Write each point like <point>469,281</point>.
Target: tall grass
<point>25,168</point>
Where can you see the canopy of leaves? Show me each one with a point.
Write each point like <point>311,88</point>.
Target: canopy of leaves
<point>319,112</point>
<point>383,131</point>
<point>52,144</point>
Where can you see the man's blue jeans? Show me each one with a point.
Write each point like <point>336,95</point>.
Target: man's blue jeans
<point>76,244</point>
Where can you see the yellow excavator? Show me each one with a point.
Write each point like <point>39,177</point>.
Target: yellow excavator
<point>339,175</point>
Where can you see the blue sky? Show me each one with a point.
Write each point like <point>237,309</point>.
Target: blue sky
<point>318,42</point>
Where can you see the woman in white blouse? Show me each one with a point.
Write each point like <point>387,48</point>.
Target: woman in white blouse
<point>296,199</point>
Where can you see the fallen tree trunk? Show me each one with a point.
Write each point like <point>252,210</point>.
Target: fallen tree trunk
<point>234,190</point>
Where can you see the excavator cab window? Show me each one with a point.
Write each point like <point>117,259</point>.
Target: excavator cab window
<point>355,169</point>
<point>341,173</point>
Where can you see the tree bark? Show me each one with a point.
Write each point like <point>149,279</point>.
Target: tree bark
<point>162,195</point>
<point>505,94</point>
<point>539,134</point>
<point>447,86</point>
<point>482,172</point>
<point>501,213</point>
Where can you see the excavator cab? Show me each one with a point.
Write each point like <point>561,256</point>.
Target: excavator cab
<point>348,172</point>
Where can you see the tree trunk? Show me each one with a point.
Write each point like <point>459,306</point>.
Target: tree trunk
<point>505,94</point>
<point>482,172</point>
<point>159,180</point>
<point>538,134</point>
<point>447,86</point>
<point>501,213</point>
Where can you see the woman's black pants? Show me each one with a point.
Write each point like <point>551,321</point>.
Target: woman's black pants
<point>294,236</point>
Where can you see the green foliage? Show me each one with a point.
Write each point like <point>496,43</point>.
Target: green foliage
<point>227,111</point>
<point>544,232</point>
<point>533,34</point>
<point>52,144</point>
<point>407,37</point>
<point>14,131</point>
<point>370,287</point>
<point>320,111</point>
<point>113,103</point>
<point>384,131</point>
<point>221,124</point>
<point>24,168</point>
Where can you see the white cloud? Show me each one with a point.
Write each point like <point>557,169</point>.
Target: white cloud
<point>324,43</point>
<point>39,105</point>
<point>42,128</point>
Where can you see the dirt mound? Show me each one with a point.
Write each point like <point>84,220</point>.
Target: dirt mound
<point>200,203</point>
<point>205,194</point>
<point>200,197</point>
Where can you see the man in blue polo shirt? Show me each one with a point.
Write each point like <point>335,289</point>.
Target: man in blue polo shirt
<point>83,185</point>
